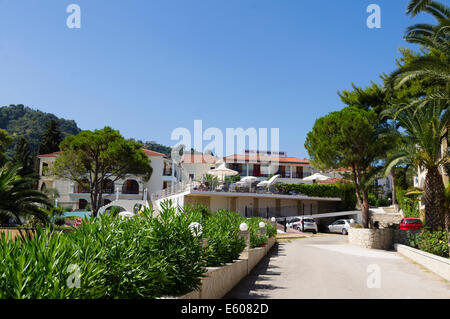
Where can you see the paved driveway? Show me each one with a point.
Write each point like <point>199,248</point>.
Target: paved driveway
<point>327,267</point>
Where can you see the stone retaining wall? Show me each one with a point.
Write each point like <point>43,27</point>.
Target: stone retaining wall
<point>385,219</point>
<point>371,238</point>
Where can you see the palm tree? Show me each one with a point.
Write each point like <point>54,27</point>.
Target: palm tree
<point>18,199</point>
<point>433,68</point>
<point>421,146</point>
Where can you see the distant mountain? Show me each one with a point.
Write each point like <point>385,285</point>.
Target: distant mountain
<point>153,146</point>
<point>19,120</point>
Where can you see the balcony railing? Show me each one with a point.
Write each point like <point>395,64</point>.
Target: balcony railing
<point>222,187</point>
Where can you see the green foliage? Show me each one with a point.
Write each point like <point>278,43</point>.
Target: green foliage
<point>345,191</point>
<point>153,146</point>
<point>5,140</point>
<point>23,157</point>
<point>100,153</point>
<point>372,97</point>
<point>256,239</point>
<point>209,179</point>
<point>376,201</point>
<point>346,138</point>
<point>433,242</point>
<point>31,124</point>
<point>271,229</point>
<point>408,204</point>
<point>18,199</point>
<point>225,243</point>
<point>141,257</point>
<point>51,139</point>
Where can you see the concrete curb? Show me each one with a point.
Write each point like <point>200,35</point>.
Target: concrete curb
<point>220,280</point>
<point>438,265</point>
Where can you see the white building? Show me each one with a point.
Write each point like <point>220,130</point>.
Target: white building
<point>291,169</point>
<point>165,174</point>
<point>251,201</point>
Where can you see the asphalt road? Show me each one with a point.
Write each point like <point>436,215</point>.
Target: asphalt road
<point>328,267</point>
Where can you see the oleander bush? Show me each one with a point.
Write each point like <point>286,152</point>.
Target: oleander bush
<point>345,191</point>
<point>109,257</point>
<point>141,257</point>
<point>270,229</point>
<point>433,242</point>
<point>224,241</point>
<point>256,239</point>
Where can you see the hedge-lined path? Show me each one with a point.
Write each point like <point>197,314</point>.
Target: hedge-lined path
<point>327,267</point>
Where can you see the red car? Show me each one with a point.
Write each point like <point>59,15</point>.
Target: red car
<point>411,224</point>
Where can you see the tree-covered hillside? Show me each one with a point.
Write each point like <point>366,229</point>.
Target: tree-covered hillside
<point>19,120</point>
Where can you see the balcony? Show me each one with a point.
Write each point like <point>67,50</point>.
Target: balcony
<point>219,187</point>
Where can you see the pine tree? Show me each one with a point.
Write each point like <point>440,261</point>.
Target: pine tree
<point>23,157</point>
<point>51,139</point>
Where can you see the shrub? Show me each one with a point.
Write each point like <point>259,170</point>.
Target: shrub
<point>345,191</point>
<point>409,206</point>
<point>141,257</point>
<point>270,229</point>
<point>435,242</point>
<point>256,239</point>
<point>225,243</point>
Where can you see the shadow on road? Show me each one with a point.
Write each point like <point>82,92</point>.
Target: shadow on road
<point>258,281</point>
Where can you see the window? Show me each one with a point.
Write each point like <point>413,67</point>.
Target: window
<point>130,187</point>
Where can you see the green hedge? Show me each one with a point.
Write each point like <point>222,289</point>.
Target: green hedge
<point>345,191</point>
<point>409,205</point>
<point>224,241</point>
<point>141,257</point>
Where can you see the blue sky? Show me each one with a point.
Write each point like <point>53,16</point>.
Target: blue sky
<point>146,67</point>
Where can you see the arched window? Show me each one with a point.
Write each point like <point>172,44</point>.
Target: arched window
<point>130,187</point>
<point>43,187</point>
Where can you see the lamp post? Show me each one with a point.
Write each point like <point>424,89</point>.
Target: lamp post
<point>262,228</point>
<point>246,235</point>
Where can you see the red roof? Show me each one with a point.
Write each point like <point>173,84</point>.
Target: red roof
<point>152,153</point>
<point>263,158</point>
<point>198,158</point>
<point>50,155</point>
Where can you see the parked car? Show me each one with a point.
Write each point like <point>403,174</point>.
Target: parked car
<point>340,226</point>
<point>306,224</point>
<point>292,221</point>
<point>411,224</point>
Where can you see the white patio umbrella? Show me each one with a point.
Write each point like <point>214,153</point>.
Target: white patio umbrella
<point>222,171</point>
<point>317,177</point>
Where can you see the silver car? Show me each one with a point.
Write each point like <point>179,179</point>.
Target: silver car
<point>305,224</point>
<point>340,226</point>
